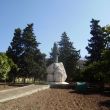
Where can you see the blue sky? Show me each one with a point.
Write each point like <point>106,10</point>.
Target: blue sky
<point>51,18</point>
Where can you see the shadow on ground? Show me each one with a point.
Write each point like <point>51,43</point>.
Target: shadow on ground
<point>102,98</point>
<point>105,103</point>
<point>105,92</point>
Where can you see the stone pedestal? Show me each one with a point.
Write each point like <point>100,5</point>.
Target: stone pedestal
<point>56,74</point>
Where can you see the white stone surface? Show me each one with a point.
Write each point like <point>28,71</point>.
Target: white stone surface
<point>56,73</point>
<point>58,83</point>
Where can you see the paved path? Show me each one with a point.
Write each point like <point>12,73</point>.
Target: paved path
<point>10,94</point>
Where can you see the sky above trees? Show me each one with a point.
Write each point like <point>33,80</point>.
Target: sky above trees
<point>51,18</point>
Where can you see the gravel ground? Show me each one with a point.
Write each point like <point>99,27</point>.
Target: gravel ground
<point>58,99</point>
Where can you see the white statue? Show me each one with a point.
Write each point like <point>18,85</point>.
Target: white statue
<point>56,71</point>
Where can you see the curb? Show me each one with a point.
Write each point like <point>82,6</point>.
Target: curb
<point>15,88</point>
<point>24,94</point>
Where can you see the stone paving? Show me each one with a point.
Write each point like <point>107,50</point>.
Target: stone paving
<point>6,95</point>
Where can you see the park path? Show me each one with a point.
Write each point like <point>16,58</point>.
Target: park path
<point>10,94</point>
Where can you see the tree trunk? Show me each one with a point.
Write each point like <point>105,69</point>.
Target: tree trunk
<point>5,83</point>
<point>34,80</point>
<point>24,80</point>
<point>13,80</point>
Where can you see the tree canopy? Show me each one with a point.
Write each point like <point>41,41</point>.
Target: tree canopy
<point>25,53</point>
<point>6,64</point>
<point>68,55</point>
<point>97,66</point>
<point>96,42</point>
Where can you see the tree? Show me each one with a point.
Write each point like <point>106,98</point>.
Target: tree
<point>31,57</point>
<point>106,31</point>
<point>69,56</point>
<point>53,54</point>
<point>96,43</point>
<point>6,64</point>
<point>105,68</point>
<point>98,71</point>
<point>99,50</point>
<point>25,53</point>
<point>15,50</point>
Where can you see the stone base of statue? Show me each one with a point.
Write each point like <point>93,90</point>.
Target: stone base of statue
<point>56,74</point>
<point>58,83</point>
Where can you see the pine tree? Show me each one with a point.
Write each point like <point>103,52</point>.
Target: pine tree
<point>15,50</point>
<point>32,59</point>
<point>96,43</point>
<point>54,52</point>
<point>69,56</point>
<point>25,53</point>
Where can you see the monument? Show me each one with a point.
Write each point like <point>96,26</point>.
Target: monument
<point>56,71</point>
